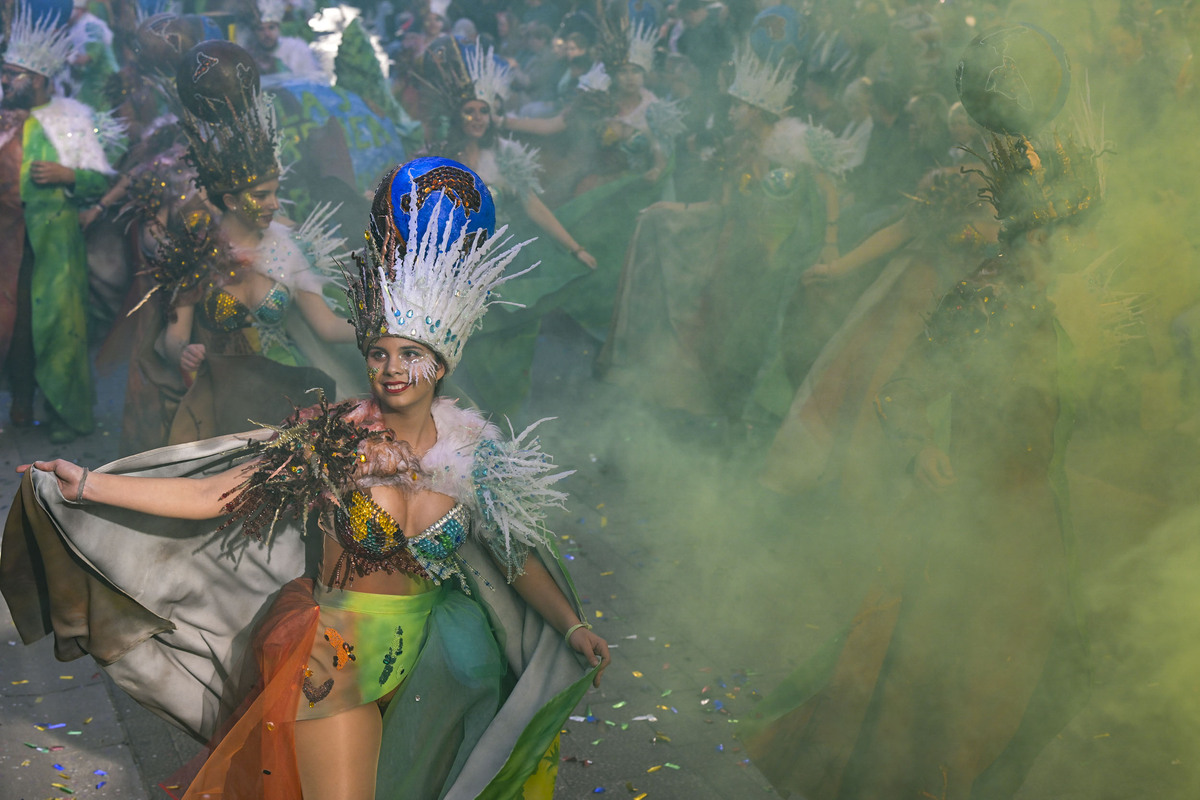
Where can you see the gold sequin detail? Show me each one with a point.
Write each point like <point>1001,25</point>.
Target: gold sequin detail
<point>371,527</point>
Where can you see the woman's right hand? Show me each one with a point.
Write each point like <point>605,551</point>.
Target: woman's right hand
<point>66,473</point>
<point>192,357</point>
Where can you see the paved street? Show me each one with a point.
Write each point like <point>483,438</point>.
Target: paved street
<point>662,726</point>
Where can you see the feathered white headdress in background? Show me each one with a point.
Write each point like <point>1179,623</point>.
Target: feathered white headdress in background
<point>490,78</point>
<point>38,45</point>
<point>762,84</point>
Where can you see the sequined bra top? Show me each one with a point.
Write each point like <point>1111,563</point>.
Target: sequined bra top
<point>226,313</point>
<point>372,540</point>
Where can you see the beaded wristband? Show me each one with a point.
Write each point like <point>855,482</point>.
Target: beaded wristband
<point>574,628</point>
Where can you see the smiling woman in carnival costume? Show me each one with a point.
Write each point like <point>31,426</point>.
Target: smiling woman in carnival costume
<point>437,649</point>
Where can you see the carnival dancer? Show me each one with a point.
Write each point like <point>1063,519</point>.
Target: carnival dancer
<point>229,284</point>
<point>473,86</point>
<point>52,157</point>
<point>428,527</point>
<point>967,655</point>
<point>703,286</point>
<point>276,54</point>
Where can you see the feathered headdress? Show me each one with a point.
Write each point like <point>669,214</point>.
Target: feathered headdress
<point>38,45</point>
<point>435,285</point>
<point>490,79</point>
<point>621,43</point>
<point>762,84</point>
<point>238,152</point>
<point>271,10</point>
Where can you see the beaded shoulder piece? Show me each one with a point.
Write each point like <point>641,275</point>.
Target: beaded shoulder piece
<point>508,483</point>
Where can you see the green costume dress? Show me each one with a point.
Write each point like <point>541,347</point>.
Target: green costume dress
<point>62,131</point>
<point>698,311</point>
<point>967,655</point>
<point>601,220</point>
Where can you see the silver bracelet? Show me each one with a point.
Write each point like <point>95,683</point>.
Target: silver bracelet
<point>574,628</point>
<point>82,483</point>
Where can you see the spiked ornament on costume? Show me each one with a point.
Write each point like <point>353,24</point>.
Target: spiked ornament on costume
<point>1034,185</point>
<point>431,265</point>
<point>762,84</point>
<point>38,44</point>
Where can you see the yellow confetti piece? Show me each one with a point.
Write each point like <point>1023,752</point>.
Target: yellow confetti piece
<point>641,796</point>
<point>66,677</point>
<point>87,721</point>
<point>1102,736</point>
<point>610,572</point>
<point>637,674</point>
<point>18,683</point>
<point>599,615</point>
<point>655,768</point>
<point>603,522</point>
<point>600,506</point>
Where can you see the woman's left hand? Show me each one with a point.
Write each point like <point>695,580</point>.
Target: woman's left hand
<point>593,648</point>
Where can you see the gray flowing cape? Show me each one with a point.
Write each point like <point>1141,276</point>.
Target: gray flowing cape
<point>168,609</point>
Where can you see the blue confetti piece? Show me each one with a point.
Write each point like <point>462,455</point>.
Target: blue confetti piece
<point>569,557</point>
<point>718,705</point>
<point>56,725</point>
<point>598,790</point>
<point>100,772</point>
<point>58,767</point>
<point>720,748</point>
<point>100,785</point>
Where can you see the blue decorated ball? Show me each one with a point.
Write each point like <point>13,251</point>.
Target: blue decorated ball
<point>447,193</point>
<point>779,34</point>
<point>1014,79</point>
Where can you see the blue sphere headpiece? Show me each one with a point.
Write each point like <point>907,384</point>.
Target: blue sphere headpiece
<point>433,258</point>
<point>448,195</point>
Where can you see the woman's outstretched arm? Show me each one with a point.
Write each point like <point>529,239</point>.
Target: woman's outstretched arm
<point>179,498</point>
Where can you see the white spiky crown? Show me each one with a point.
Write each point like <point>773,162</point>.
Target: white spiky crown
<point>762,84</point>
<point>491,79</point>
<point>440,289</point>
<point>271,10</point>
<point>642,38</point>
<point>38,45</point>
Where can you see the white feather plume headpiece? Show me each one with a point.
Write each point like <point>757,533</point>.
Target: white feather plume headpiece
<point>433,282</point>
<point>642,38</point>
<point>441,288</point>
<point>490,78</point>
<point>762,84</point>
<point>271,10</point>
<point>38,45</point>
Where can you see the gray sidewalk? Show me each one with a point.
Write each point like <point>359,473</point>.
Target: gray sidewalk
<point>662,725</point>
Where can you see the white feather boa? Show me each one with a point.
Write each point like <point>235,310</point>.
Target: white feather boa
<point>507,482</point>
<point>78,133</point>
